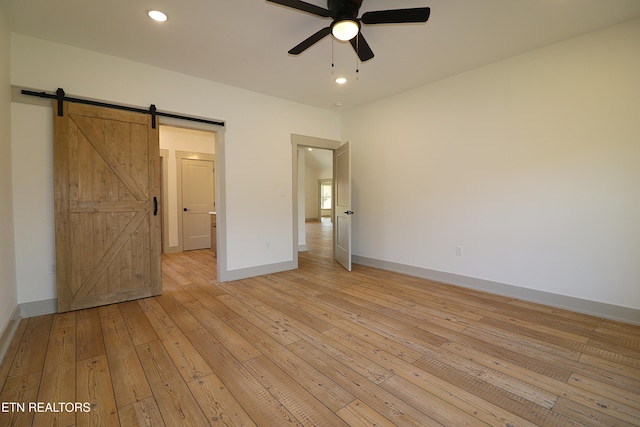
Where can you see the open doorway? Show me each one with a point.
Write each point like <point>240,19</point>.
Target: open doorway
<point>169,159</point>
<point>302,184</point>
<point>318,200</point>
<point>188,154</point>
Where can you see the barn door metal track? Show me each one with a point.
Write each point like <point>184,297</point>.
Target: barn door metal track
<point>61,97</point>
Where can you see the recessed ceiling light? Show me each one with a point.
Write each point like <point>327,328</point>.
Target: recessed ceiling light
<point>156,15</point>
<point>341,80</point>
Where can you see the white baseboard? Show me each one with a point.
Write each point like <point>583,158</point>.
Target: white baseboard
<point>260,270</point>
<point>593,308</point>
<point>302,248</point>
<point>38,308</point>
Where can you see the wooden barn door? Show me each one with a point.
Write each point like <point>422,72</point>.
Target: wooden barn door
<point>107,219</point>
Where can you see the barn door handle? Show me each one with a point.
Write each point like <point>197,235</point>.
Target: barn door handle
<point>155,206</point>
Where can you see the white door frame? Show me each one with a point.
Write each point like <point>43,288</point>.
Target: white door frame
<point>298,141</point>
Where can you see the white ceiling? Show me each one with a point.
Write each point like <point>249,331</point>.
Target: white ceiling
<point>244,43</point>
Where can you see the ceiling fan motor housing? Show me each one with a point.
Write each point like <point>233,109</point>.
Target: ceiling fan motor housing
<point>343,9</point>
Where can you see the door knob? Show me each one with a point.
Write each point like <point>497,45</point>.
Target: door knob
<point>185,209</point>
<point>349,212</point>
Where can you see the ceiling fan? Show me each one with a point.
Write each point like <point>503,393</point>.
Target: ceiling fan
<point>346,25</point>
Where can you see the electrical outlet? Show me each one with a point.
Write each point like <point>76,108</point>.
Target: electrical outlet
<point>459,250</point>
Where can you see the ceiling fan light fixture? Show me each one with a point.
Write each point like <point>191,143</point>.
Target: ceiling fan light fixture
<point>341,80</point>
<point>345,29</point>
<point>156,15</point>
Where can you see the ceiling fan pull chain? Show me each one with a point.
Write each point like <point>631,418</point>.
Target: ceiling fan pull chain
<point>357,55</point>
<point>332,60</point>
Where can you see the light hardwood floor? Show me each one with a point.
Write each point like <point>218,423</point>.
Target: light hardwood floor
<point>321,346</point>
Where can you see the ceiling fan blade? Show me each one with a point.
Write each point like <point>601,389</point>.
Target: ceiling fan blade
<point>397,16</point>
<point>306,44</point>
<point>303,6</point>
<point>362,48</point>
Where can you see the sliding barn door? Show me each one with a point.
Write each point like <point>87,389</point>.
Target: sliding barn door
<point>107,219</point>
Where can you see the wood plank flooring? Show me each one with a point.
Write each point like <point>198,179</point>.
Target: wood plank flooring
<point>320,347</point>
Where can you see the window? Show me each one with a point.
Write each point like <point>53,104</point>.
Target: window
<point>325,195</point>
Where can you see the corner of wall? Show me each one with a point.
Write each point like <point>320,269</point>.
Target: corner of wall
<point>8,286</point>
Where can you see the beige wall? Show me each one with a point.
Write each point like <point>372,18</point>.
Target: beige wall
<point>530,164</point>
<point>8,291</point>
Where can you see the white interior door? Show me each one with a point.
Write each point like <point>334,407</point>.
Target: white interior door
<point>198,199</point>
<point>342,203</point>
